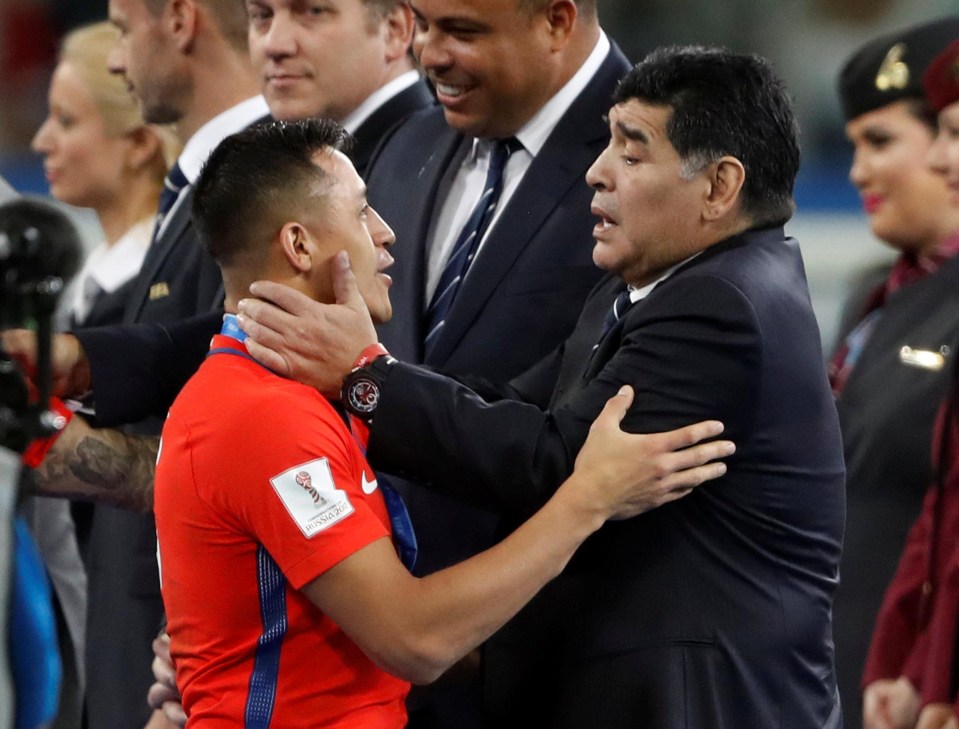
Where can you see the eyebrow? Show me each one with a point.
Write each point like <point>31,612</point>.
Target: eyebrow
<point>637,135</point>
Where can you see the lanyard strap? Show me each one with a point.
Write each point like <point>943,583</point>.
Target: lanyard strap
<point>404,536</point>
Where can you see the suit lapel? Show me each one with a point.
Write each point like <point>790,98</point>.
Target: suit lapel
<point>379,123</point>
<point>157,255</point>
<point>562,163</point>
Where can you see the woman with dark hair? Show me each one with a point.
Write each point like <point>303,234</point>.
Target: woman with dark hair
<point>892,366</point>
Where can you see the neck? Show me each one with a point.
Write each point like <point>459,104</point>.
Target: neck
<point>944,233</point>
<point>211,96</point>
<point>581,44</point>
<point>119,214</point>
<point>394,70</point>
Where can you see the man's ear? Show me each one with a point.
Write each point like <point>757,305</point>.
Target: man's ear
<point>397,25</point>
<point>297,247</point>
<point>182,19</point>
<point>726,179</point>
<point>561,16</point>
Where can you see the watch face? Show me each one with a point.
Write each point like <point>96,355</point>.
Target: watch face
<point>362,395</point>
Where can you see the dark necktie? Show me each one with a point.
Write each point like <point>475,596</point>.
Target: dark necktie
<point>173,183</point>
<point>464,250</point>
<point>616,311</point>
<point>90,291</point>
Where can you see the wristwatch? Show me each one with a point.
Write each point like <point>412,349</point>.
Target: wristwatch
<point>363,386</point>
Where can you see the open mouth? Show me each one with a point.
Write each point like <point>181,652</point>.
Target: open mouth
<point>450,90</point>
<point>450,93</point>
<point>605,221</point>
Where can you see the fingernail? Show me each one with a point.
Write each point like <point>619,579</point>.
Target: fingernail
<point>253,288</point>
<point>240,306</point>
<point>624,390</point>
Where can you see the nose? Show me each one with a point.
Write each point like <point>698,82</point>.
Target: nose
<point>116,60</point>
<point>936,158</point>
<point>279,41</point>
<point>858,172</point>
<point>597,175</point>
<point>381,233</point>
<point>41,140</point>
<point>431,49</point>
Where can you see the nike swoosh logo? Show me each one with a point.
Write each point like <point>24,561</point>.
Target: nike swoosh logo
<point>368,486</point>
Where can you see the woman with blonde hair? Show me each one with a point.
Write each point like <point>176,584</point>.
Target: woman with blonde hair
<point>98,154</point>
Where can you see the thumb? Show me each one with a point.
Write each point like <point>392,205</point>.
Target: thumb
<point>616,407</point>
<point>344,283</point>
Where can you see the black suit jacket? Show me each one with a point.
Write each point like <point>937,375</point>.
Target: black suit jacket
<point>712,612</point>
<point>377,126</point>
<point>522,294</point>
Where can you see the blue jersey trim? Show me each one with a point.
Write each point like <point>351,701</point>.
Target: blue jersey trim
<point>266,665</point>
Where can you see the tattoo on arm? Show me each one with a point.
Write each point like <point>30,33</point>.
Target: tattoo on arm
<point>102,465</point>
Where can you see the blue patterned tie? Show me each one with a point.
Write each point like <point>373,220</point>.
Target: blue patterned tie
<point>464,250</point>
<point>173,183</point>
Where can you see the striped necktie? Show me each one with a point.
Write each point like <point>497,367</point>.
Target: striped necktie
<point>173,183</point>
<point>464,250</point>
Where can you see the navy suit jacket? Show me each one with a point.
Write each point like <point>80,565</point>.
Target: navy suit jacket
<point>526,287</point>
<point>711,612</point>
<point>522,294</point>
<point>377,126</point>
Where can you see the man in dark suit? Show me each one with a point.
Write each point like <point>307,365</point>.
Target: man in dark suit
<point>350,63</point>
<point>540,73</point>
<point>542,77</point>
<point>711,612</point>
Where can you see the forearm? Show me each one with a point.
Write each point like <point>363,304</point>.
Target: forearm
<point>100,464</point>
<point>465,604</point>
<point>418,628</point>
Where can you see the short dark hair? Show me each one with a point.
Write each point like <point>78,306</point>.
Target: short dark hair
<point>255,180</point>
<point>725,103</point>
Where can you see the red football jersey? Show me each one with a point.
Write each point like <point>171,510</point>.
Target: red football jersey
<point>260,488</point>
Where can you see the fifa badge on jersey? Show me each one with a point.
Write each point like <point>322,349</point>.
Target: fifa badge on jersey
<point>310,496</point>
